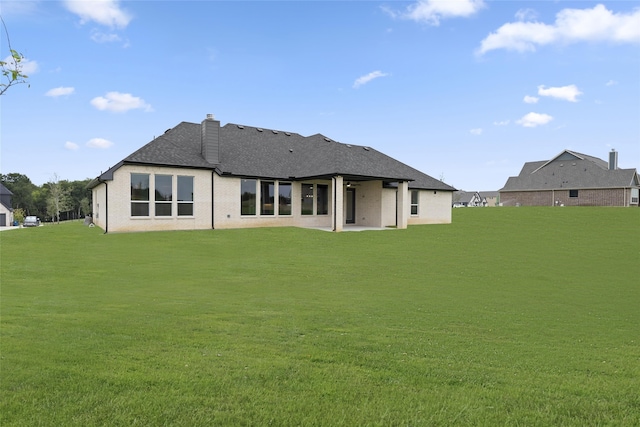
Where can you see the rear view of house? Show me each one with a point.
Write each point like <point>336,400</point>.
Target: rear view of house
<point>572,179</point>
<point>203,176</point>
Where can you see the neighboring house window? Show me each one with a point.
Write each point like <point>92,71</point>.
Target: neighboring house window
<point>139,194</point>
<point>573,193</point>
<point>284,198</point>
<point>634,195</point>
<point>163,194</point>
<point>267,198</point>
<point>307,199</point>
<point>185,196</point>
<point>248,197</point>
<point>414,201</point>
<point>323,199</point>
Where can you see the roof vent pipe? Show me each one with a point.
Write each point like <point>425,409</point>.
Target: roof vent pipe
<point>613,160</point>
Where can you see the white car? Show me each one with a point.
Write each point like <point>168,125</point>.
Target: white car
<point>31,221</point>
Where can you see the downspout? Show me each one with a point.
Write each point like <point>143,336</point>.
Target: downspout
<point>106,207</point>
<point>212,202</point>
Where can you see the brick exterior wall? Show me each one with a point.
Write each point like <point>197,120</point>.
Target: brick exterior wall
<point>586,197</point>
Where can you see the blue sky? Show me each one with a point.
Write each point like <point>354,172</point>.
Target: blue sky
<point>463,90</point>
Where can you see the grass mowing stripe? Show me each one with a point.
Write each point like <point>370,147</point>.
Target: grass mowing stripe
<point>507,316</point>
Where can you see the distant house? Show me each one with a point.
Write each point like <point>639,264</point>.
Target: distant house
<point>204,176</point>
<point>6,210</point>
<point>475,199</point>
<point>572,179</point>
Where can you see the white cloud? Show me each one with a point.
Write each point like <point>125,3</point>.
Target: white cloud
<point>476,131</point>
<point>567,93</point>
<point>571,26</point>
<point>60,91</point>
<point>530,99</point>
<point>501,123</point>
<point>99,143</point>
<point>526,15</point>
<point>103,12</point>
<point>71,146</point>
<point>367,78</point>
<point>100,37</point>
<point>120,102</point>
<point>611,83</point>
<point>532,120</point>
<point>26,66</point>
<point>432,11</point>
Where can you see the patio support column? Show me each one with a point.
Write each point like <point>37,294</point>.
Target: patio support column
<point>337,219</point>
<point>402,204</point>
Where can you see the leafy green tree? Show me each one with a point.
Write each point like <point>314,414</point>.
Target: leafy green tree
<point>22,189</point>
<point>58,199</point>
<point>12,73</point>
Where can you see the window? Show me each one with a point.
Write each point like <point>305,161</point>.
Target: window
<point>139,194</point>
<point>267,199</point>
<point>307,199</point>
<point>323,199</point>
<point>284,198</point>
<point>185,196</point>
<point>415,197</point>
<point>573,193</point>
<point>248,197</point>
<point>163,194</point>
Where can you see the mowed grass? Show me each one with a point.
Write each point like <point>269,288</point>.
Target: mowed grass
<point>508,316</point>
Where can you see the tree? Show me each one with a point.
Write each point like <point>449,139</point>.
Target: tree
<point>23,190</point>
<point>12,68</point>
<point>58,199</point>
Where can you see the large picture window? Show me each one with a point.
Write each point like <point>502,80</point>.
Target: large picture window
<point>267,198</point>
<point>139,194</point>
<point>284,198</point>
<point>322,207</point>
<point>307,199</point>
<point>415,197</point>
<point>185,196</point>
<point>248,197</point>
<point>163,194</point>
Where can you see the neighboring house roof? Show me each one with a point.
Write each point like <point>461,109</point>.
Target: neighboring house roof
<point>264,153</point>
<point>5,197</point>
<point>570,170</point>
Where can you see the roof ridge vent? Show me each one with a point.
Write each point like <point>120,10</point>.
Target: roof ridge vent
<point>259,129</point>
<point>288,133</point>
<point>275,132</point>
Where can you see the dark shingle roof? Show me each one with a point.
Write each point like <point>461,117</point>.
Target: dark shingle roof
<point>265,153</point>
<point>570,170</point>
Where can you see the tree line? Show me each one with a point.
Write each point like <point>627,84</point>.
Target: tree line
<point>54,201</point>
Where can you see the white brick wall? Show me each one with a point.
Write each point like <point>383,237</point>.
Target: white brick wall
<point>375,206</point>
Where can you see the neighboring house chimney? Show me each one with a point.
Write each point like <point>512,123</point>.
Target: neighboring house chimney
<point>613,160</point>
<point>211,139</point>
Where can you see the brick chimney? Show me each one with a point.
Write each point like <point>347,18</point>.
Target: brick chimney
<point>613,160</point>
<point>211,139</point>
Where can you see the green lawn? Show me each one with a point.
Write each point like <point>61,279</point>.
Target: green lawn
<point>508,316</point>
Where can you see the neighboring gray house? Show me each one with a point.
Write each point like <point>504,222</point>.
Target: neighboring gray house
<point>475,199</point>
<point>572,179</point>
<point>6,210</point>
<point>203,176</point>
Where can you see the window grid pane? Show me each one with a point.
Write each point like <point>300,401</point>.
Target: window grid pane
<point>284,199</point>
<point>267,198</point>
<point>248,197</point>
<point>323,199</point>
<point>307,199</point>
